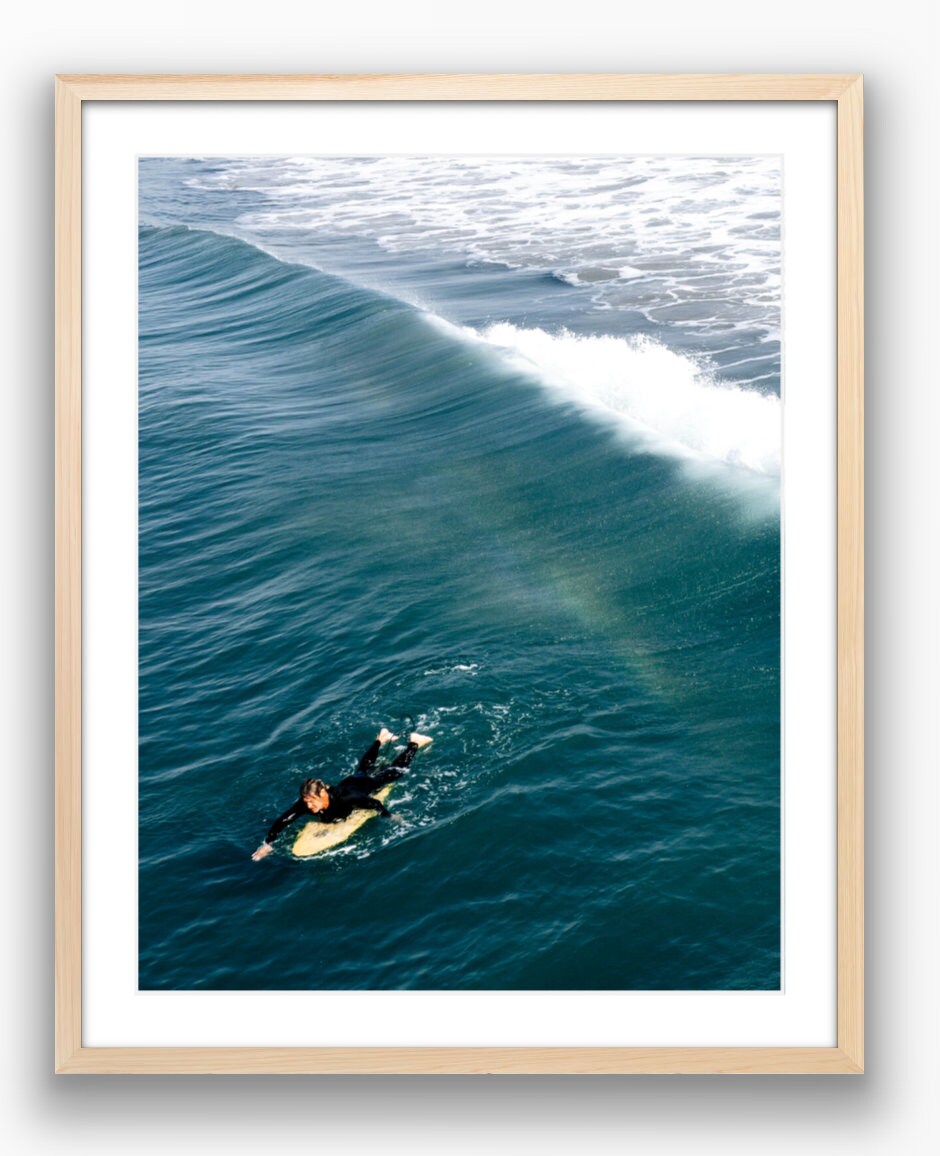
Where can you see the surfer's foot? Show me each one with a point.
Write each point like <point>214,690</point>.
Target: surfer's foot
<point>386,736</point>
<point>419,740</point>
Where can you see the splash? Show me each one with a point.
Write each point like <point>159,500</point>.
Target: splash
<point>673,402</point>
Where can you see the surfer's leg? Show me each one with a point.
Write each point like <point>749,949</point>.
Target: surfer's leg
<point>404,758</point>
<point>388,773</point>
<point>362,784</point>
<point>368,759</point>
<point>415,743</point>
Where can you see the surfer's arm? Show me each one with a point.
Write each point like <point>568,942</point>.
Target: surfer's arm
<point>367,803</point>
<point>291,815</point>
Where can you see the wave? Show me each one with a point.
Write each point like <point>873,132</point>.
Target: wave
<point>668,402</point>
<point>674,403</point>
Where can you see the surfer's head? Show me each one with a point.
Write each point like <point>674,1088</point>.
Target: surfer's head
<point>314,794</point>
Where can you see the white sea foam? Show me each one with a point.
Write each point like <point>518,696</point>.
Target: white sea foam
<point>647,232</point>
<point>692,242</point>
<point>456,668</point>
<point>672,402</point>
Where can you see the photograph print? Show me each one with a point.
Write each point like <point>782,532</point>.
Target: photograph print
<point>459,573</point>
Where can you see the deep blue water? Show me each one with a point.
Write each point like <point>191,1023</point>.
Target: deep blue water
<point>476,499</point>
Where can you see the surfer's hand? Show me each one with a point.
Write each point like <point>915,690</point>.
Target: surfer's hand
<point>264,849</point>
<point>386,736</point>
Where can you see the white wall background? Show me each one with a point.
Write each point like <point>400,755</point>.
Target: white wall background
<point>894,1105</point>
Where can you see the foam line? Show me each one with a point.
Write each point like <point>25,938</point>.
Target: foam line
<point>676,404</point>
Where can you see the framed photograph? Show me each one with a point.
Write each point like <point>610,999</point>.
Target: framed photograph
<point>459,574</point>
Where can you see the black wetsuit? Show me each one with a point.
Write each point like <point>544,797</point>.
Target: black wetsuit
<point>354,793</point>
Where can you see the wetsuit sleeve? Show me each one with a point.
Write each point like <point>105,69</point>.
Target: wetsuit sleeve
<point>367,803</point>
<point>291,815</point>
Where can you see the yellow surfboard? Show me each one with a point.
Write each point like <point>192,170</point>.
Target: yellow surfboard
<point>317,837</point>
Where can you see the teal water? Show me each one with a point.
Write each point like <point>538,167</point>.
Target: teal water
<point>352,513</point>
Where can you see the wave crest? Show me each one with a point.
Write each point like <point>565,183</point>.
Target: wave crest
<point>647,390</point>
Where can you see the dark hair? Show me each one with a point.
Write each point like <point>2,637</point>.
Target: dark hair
<point>312,787</point>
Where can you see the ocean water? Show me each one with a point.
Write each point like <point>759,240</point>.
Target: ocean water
<point>488,448</point>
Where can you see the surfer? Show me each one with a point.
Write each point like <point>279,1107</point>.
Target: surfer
<point>354,793</point>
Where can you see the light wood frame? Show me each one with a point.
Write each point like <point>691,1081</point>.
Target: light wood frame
<point>70,1056</point>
